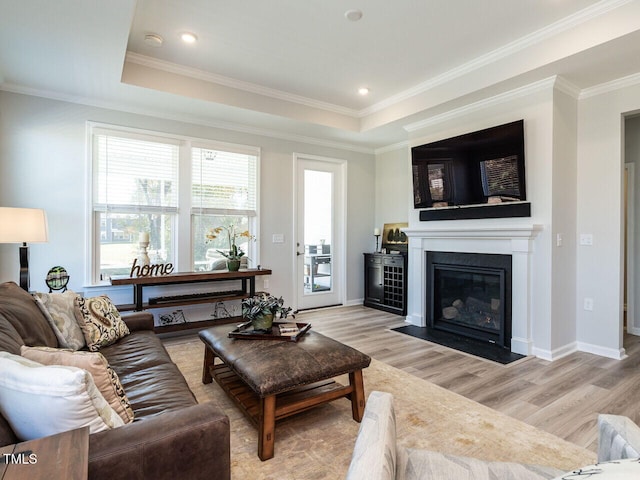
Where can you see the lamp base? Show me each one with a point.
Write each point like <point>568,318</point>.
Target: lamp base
<point>24,267</point>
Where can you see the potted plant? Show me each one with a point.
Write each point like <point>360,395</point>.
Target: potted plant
<point>235,253</point>
<point>261,310</point>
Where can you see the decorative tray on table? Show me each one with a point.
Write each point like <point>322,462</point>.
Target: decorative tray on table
<point>288,331</point>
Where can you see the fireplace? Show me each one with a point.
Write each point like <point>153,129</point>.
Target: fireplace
<point>469,294</point>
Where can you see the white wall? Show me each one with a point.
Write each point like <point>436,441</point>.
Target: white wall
<point>393,187</point>
<point>564,198</point>
<point>43,163</point>
<point>599,212</point>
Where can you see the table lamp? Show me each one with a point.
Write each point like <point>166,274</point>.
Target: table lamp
<point>22,225</point>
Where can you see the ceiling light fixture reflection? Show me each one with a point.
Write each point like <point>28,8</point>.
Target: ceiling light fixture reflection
<point>363,91</point>
<point>188,37</point>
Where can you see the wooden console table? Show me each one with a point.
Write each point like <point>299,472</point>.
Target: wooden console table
<point>247,288</point>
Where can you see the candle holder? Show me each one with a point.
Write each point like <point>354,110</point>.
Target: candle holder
<point>377,239</point>
<point>143,256</point>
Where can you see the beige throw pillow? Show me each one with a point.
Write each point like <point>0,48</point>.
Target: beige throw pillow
<point>39,401</point>
<point>103,375</point>
<point>59,310</point>
<point>99,321</point>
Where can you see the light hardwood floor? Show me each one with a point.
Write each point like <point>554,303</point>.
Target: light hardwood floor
<point>563,397</point>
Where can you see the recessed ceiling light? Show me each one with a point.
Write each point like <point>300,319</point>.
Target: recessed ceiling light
<point>153,40</point>
<point>188,37</point>
<point>353,15</point>
<point>363,91</point>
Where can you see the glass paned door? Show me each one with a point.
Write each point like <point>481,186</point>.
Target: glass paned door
<point>319,233</point>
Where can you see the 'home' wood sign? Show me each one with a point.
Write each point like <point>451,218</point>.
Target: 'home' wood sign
<point>150,270</point>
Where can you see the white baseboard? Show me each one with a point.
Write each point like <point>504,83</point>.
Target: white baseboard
<point>556,353</point>
<point>633,330</point>
<point>353,303</point>
<point>416,320</point>
<point>618,354</point>
<point>521,346</point>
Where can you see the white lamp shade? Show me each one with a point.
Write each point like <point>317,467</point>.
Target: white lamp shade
<point>18,225</point>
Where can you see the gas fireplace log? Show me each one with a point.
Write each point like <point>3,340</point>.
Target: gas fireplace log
<point>449,313</point>
<point>478,305</point>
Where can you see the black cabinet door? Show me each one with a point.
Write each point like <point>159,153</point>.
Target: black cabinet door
<point>373,285</point>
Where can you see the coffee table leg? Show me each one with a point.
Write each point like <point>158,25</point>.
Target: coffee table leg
<point>267,427</point>
<point>206,364</point>
<point>357,397</point>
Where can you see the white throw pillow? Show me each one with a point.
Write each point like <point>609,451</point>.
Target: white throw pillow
<point>38,400</point>
<point>59,310</point>
<point>105,378</point>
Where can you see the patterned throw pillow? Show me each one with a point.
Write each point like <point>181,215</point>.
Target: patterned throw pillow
<point>99,321</point>
<point>39,400</point>
<point>59,308</point>
<point>103,375</point>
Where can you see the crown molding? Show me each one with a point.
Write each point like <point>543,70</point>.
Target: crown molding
<point>209,77</point>
<point>565,86</point>
<point>542,85</point>
<point>230,126</point>
<point>392,147</point>
<point>617,84</point>
<point>522,43</point>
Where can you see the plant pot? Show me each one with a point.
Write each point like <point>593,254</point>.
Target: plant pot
<point>263,323</point>
<point>233,265</point>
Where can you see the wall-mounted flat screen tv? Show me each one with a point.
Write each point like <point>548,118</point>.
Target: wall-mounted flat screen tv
<point>481,167</point>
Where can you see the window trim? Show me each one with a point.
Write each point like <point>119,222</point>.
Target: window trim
<point>184,210</point>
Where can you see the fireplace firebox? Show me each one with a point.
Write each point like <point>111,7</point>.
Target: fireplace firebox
<point>469,294</point>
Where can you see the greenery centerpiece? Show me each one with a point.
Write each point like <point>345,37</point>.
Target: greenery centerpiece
<point>261,310</point>
<point>235,253</point>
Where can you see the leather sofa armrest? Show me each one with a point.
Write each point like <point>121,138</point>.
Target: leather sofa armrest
<point>618,438</point>
<point>192,443</point>
<point>138,320</point>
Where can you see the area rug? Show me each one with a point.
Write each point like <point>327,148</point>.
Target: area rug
<point>317,444</point>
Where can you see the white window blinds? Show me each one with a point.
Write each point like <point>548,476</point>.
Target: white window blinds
<point>223,182</point>
<point>134,174</point>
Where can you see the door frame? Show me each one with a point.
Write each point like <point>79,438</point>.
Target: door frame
<point>340,234</point>
<point>630,220</point>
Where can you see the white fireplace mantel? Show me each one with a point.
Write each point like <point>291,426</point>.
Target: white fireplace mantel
<point>514,240</point>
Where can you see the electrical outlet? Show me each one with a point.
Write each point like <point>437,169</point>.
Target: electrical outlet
<point>265,283</point>
<point>586,239</point>
<point>588,304</point>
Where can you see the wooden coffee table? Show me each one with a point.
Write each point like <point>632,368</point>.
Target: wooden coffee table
<point>270,380</point>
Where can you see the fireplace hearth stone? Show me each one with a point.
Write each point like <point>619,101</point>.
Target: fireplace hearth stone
<point>471,346</point>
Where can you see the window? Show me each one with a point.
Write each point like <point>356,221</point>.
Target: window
<point>173,189</point>
<point>223,193</point>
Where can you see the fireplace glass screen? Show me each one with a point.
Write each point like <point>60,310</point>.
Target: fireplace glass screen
<point>469,297</point>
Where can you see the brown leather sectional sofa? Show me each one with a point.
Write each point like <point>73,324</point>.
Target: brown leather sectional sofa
<point>172,436</point>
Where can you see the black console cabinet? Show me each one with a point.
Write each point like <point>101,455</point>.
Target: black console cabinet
<point>385,282</point>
